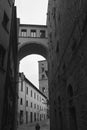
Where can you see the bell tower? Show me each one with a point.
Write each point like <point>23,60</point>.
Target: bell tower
<point>43,77</point>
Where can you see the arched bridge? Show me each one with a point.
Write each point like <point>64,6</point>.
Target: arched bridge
<point>32,40</point>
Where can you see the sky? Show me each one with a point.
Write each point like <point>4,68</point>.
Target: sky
<point>29,65</point>
<point>31,12</point>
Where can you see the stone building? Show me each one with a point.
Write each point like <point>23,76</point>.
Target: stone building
<point>43,77</point>
<point>8,64</point>
<point>67,37</point>
<point>32,105</point>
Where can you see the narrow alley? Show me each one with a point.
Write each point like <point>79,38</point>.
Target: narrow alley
<point>61,93</point>
<point>44,125</point>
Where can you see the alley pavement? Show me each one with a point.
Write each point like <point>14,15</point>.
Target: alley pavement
<point>44,125</point>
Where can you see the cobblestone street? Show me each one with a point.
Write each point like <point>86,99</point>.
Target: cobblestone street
<point>45,125</point>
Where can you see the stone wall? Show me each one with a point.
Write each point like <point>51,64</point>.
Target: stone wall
<point>67,34</point>
<point>5,23</point>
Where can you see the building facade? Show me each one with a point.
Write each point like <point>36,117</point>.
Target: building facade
<point>8,64</point>
<point>43,77</point>
<point>5,12</point>
<point>67,37</point>
<point>32,105</point>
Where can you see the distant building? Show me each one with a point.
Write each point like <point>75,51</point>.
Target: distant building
<point>43,77</point>
<point>32,104</point>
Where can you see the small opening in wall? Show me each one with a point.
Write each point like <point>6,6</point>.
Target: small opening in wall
<point>2,55</point>
<point>43,89</point>
<point>57,48</point>
<point>42,33</point>
<point>24,32</point>
<point>59,100</point>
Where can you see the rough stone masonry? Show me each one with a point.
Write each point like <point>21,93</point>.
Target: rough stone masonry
<point>67,35</point>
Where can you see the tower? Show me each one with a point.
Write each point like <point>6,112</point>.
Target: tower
<point>43,77</point>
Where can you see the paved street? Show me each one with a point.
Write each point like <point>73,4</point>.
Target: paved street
<point>43,126</point>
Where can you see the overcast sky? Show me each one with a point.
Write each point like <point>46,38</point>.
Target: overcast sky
<point>31,12</point>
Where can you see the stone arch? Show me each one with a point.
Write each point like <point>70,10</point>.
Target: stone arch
<point>32,48</point>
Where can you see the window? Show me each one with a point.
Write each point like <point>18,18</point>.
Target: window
<point>34,105</point>
<point>31,93</point>
<point>26,90</point>
<point>21,101</point>
<point>42,69</point>
<point>38,107</point>
<point>34,116</point>
<point>43,76</point>
<point>31,105</point>
<point>31,116</point>
<point>57,47</point>
<point>5,22</point>
<point>38,116</point>
<point>23,32</point>
<point>21,85</point>
<point>26,117</point>
<point>42,33</point>
<point>27,103</point>
<point>21,117</point>
<point>37,97</point>
<point>34,95</point>
<point>43,89</point>
<point>2,55</point>
<point>33,33</point>
<point>46,72</point>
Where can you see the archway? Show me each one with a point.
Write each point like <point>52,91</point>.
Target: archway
<point>32,48</point>
<point>28,48</point>
<point>29,66</point>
